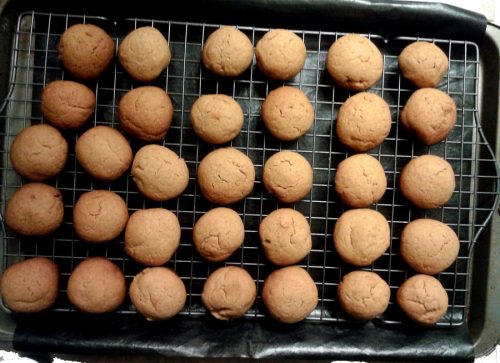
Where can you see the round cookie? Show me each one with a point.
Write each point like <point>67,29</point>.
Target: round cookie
<point>99,216</point>
<point>429,246</point>
<point>361,236</point>
<point>227,52</point>
<point>104,153</point>
<point>85,51</point>
<point>285,235</point>
<point>428,181</point>
<point>218,233</point>
<point>35,210</point>
<point>289,294</point>
<point>146,113</point>
<point>67,104</point>
<point>159,173</point>
<point>430,114</point>
<point>288,176</point>
<point>287,113</point>
<point>39,152</point>
<point>226,176</point>
<point>216,119</point>
<point>360,181</point>
<point>423,299</point>
<point>363,121</point>
<point>157,293</point>
<point>229,292</point>
<point>152,236</point>
<point>363,295</point>
<point>423,63</point>
<point>354,62</point>
<point>144,53</point>
<point>31,285</point>
<point>96,286</point>
<point>280,54</point>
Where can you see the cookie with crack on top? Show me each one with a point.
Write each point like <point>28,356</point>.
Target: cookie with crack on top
<point>285,236</point>
<point>229,292</point>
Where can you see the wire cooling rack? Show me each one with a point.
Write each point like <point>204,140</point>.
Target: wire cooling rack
<point>34,64</point>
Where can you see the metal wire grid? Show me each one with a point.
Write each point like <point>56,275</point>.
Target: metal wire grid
<point>35,64</point>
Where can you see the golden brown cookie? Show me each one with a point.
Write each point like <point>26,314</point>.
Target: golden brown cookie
<point>227,52</point>
<point>280,54</point>
<point>67,104</point>
<point>428,181</point>
<point>146,113</point>
<point>226,176</point>
<point>287,113</point>
<point>361,236</point>
<point>39,152</point>
<point>157,293</point>
<point>104,153</point>
<point>144,53</point>
<point>285,235</point>
<point>152,236</point>
<point>354,62</point>
<point>423,63</point>
<point>96,286</point>
<point>159,173</point>
<point>216,119</point>
<point>31,285</point>
<point>423,299</point>
<point>99,216</point>
<point>429,246</point>
<point>360,181</point>
<point>430,114</point>
<point>218,233</point>
<point>363,295</point>
<point>363,121</point>
<point>289,294</point>
<point>34,210</point>
<point>85,51</point>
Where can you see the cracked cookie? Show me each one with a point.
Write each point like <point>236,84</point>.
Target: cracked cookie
<point>85,51</point>
<point>287,113</point>
<point>361,236</point>
<point>157,293</point>
<point>96,286</point>
<point>423,299</point>
<point>430,114</point>
<point>288,176</point>
<point>226,176</point>
<point>152,236</point>
<point>428,181</point>
<point>423,63</point>
<point>146,113</point>
<point>99,216</point>
<point>218,233</point>
<point>229,292</point>
<point>227,52</point>
<point>354,62</point>
<point>360,181</point>
<point>285,236</point>
<point>429,246</point>
<point>363,121</point>
<point>280,54</point>
<point>290,294</point>
<point>217,118</point>
<point>159,173</point>
<point>363,295</point>
<point>35,210</point>
<point>104,153</point>
<point>31,285</point>
<point>144,53</point>
<point>39,152</point>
